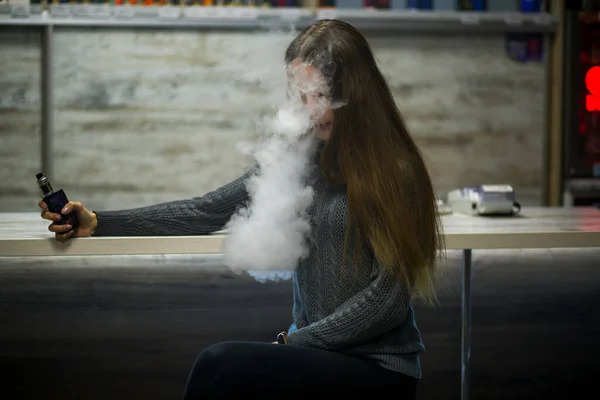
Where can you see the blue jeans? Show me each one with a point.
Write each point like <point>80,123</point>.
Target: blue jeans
<point>250,370</point>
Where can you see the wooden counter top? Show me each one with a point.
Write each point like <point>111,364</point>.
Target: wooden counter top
<point>26,234</point>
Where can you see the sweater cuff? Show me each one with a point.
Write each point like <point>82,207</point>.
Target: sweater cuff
<point>300,337</point>
<point>108,223</point>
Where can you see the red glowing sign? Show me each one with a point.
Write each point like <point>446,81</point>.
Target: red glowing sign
<point>592,83</point>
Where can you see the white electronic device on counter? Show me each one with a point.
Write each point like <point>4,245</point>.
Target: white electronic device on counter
<point>484,200</point>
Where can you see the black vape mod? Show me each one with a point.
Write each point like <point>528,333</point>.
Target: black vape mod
<point>56,200</point>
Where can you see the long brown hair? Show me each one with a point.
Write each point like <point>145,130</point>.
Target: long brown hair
<point>391,202</point>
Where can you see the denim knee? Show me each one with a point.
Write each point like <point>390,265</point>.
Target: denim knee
<point>204,378</point>
<point>213,358</point>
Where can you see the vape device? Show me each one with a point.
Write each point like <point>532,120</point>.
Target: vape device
<point>56,200</point>
<point>484,200</point>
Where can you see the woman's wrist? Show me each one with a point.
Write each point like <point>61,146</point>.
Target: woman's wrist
<point>282,338</point>
<point>94,223</point>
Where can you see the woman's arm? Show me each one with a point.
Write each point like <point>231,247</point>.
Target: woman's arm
<point>195,216</point>
<point>380,307</point>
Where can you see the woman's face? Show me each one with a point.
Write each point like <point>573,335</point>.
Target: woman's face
<point>313,91</point>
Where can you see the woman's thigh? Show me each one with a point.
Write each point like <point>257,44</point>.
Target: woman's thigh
<point>232,370</point>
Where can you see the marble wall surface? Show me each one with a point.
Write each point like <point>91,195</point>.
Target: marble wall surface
<point>145,116</point>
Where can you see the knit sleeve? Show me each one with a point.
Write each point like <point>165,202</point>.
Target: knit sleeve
<point>195,216</point>
<point>380,307</point>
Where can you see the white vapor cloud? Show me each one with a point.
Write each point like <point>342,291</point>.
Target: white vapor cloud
<point>271,233</point>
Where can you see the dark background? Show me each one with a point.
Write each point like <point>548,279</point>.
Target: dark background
<point>130,327</point>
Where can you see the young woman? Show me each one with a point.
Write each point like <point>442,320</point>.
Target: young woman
<point>375,241</point>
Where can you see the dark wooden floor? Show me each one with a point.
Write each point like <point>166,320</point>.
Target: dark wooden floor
<point>114,328</point>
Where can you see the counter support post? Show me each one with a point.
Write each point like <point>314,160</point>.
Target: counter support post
<point>465,372</point>
<point>47,106</point>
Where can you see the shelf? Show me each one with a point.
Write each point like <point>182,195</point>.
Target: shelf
<point>459,21</point>
<point>248,18</point>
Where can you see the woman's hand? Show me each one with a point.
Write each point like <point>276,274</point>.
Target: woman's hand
<point>87,221</point>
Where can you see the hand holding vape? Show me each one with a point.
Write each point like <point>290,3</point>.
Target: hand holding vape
<point>56,200</point>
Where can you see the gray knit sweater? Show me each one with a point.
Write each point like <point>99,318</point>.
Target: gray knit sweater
<point>360,311</point>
